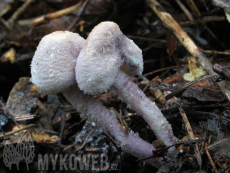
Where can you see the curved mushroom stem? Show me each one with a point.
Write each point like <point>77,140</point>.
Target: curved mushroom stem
<point>95,111</point>
<point>130,93</point>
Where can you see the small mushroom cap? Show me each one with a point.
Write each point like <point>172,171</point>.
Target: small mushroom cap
<point>53,65</point>
<point>106,49</point>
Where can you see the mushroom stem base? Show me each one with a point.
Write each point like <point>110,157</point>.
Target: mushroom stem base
<point>95,111</point>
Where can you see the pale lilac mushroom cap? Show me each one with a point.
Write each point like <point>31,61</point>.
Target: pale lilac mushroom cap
<point>98,69</point>
<point>102,56</point>
<point>53,65</point>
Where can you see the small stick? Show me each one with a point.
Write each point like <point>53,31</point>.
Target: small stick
<point>190,107</point>
<point>24,128</point>
<point>62,127</point>
<point>193,7</point>
<point>56,14</point>
<point>92,149</point>
<point>198,14</point>
<point>177,91</point>
<point>204,20</point>
<point>226,52</point>
<point>178,143</point>
<point>188,43</point>
<point>121,118</point>
<point>50,131</point>
<point>9,23</point>
<point>23,117</point>
<point>146,39</point>
<point>86,139</point>
<point>218,143</point>
<point>185,10</point>
<point>5,10</point>
<point>156,71</point>
<point>210,158</point>
<point>72,145</point>
<point>78,15</point>
<point>190,134</point>
<point>224,169</point>
<point>118,149</point>
<point>222,71</point>
<point>76,124</point>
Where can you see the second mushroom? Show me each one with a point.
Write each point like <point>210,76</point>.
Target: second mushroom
<point>100,65</point>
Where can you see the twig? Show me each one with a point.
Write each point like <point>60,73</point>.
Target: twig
<point>24,128</point>
<point>190,134</point>
<point>204,20</point>
<point>70,28</point>
<point>50,131</point>
<point>156,71</point>
<point>198,14</point>
<point>185,10</point>
<point>76,124</point>
<point>150,47</point>
<point>86,139</point>
<point>224,169</point>
<point>177,91</point>
<point>121,118</point>
<point>69,146</point>
<point>9,23</point>
<point>118,149</point>
<point>210,158</point>
<point>5,10</point>
<point>226,52</point>
<point>220,142</point>
<point>92,149</point>
<point>190,107</point>
<point>188,43</point>
<point>223,72</point>
<point>23,117</point>
<point>62,127</point>
<point>222,155</point>
<point>178,143</point>
<point>194,112</point>
<point>56,14</point>
<point>146,39</point>
<point>193,7</point>
<point>79,148</point>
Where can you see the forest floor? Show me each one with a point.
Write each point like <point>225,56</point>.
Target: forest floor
<point>186,53</point>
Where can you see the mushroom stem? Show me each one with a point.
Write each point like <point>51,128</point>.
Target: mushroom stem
<point>130,93</point>
<point>96,112</point>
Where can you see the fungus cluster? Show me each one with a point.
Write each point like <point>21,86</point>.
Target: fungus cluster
<point>65,62</point>
<point>98,69</point>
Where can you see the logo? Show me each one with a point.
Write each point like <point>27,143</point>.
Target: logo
<point>93,162</point>
<point>24,150</point>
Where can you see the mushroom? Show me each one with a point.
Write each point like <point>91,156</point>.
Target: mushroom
<point>194,71</point>
<point>53,70</point>
<point>101,66</point>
